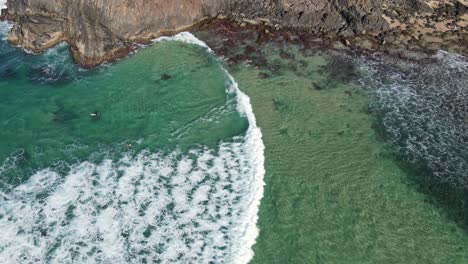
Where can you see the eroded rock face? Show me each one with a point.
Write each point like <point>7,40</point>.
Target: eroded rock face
<point>99,30</point>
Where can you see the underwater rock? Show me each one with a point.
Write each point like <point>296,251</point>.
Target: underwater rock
<point>62,115</point>
<point>166,77</point>
<point>7,73</point>
<point>317,86</point>
<point>49,75</point>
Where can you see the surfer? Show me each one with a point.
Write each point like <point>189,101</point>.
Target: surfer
<point>95,114</point>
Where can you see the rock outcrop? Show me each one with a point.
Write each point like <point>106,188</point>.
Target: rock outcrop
<point>100,30</point>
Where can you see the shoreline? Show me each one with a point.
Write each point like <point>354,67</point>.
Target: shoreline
<point>416,35</point>
<point>340,212</point>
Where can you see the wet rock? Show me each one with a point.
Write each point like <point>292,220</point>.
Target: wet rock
<point>363,43</point>
<point>3,14</point>
<point>101,30</point>
<point>285,55</point>
<point>250,49</point>
<point>340,69</point>
<point>339,45</point>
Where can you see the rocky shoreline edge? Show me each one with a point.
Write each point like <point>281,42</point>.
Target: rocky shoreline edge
<point>419,34</point>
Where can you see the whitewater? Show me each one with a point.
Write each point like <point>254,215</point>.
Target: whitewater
<point>199,206</point>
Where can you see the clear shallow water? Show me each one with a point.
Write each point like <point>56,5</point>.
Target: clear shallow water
<point>171,171</point>
<point>337,185</point>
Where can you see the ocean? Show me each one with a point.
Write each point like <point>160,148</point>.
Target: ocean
<point>153,159</point>
<point>159,158</point>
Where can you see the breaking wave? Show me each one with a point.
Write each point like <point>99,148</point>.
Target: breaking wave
<point>194,207</point>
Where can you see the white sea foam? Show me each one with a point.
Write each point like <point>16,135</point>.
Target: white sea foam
<point>423,110</point>
<point>3,4</point>
<point>185,37</point>
<point>452,60</point>
<point>199,207</point>
<point>247,223</point>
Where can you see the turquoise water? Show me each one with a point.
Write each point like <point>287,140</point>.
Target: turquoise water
<point>175,96</point>
<point>170,169</point>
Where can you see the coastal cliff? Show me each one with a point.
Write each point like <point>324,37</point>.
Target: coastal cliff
<point>101,30</point>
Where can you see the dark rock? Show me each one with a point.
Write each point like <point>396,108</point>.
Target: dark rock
<point>3,14</point>
<point>285,55</point>
<point>101,30</point>
<point>250,49</point>
<point>341,69</point>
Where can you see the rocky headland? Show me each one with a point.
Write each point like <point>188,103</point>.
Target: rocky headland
<point>102,30</point>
